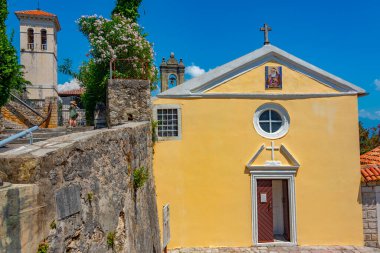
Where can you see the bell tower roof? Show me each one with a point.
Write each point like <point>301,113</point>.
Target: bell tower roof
<point>172,60</point>
<point>39,14</point>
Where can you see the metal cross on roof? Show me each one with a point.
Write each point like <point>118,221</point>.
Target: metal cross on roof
<point>266,29</point>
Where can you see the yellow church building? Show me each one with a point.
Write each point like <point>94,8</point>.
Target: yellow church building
<point>261,150</point>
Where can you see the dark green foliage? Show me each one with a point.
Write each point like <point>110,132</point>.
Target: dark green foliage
<point>369,138</point>
<point>11,75</point>
<point>128,9</point>
<point>154,133</point>
<point>111,239</point>
<point>53,225</point>
<point>43,247</point>
<point>140,176</point>
<point>94,77</point>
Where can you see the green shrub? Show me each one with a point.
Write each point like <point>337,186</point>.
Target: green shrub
<point>53,225</point>
<point>140,176</point>
<point>111,239</point>
<point>43,247</point>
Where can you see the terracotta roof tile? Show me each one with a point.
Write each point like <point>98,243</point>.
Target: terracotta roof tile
<point>36,13</point>
<point>76,92</point>
<point>370,168</point>
<point>371,157</point>
<point>370,173</point>
<point>40,13</point>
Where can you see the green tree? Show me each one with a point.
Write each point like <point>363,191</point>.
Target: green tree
<point>111,39</point>
<point>11,75</point>
<point>128,9</point>
<point>369,138</point>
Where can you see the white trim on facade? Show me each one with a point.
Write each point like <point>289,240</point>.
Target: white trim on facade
<point>284,118</point>
<point>278,96</point>
<point>179,111</point>
<point>258,57</point>
<point>272,169</point>
<point>289,176</point>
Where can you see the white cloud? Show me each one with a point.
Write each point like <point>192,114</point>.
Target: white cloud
<point>377,84</point>
<point>194,70</point>
<point>72,85</point>
<point>369,115</point>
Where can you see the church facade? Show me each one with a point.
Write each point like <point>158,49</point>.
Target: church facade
<point>261,150</point>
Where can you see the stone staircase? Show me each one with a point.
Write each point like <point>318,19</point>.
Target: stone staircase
<point>41,134</point>
<point>17,113</point>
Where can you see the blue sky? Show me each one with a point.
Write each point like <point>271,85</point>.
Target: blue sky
<point>341,37</point>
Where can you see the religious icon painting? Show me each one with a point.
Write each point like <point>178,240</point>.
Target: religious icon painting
<point>273,77</point>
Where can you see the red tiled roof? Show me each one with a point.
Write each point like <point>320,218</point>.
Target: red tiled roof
<point>370,162</point>
<point>370,173</point>
<point>371,157</point>
<point>40,14</point>
<point>36,13</point>
<point>76,92</point>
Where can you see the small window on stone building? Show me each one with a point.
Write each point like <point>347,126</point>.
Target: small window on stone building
<point>43,40</point>
<point>30,38</point>
<point>169,121</point>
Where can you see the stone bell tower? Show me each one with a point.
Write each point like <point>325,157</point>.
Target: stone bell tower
<point>172,73</point>
<point>38,45</point>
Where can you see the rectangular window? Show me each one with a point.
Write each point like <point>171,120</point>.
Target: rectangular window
<point>169,121</point>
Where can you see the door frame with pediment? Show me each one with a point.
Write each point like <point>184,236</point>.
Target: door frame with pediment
<point>274,170</point>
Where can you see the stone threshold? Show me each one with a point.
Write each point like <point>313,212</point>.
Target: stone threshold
<point>279,249</point>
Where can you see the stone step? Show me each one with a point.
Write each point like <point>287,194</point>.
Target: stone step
<point>42,134</point>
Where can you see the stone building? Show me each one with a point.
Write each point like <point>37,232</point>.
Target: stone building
<point>370,169</point>
<point>172,73</point>
<point>38,45</point>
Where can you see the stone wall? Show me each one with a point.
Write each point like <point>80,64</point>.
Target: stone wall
<point>370,219</point>
<point>128,100</point>
<point>52,121</point>
<point>21,115</point>
<point>86,192</point>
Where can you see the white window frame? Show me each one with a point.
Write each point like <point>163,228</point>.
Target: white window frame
<point>284,116</point>
<point>179,114</point>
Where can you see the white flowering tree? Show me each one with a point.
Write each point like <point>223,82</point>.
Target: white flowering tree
<point>111,40</point>
<point>120,39</point>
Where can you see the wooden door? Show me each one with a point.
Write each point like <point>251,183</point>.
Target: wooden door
<point>264,210</point>
<point>285,202</point>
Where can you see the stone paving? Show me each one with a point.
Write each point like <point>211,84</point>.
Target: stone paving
<point>278,249</point>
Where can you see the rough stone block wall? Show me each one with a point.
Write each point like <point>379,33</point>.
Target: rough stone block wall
<point>370,214</point>
<point>128,100</point>
<point>53,119</point>
<point>86,191</point>
<point>18,209</point>
<point>8,115</point>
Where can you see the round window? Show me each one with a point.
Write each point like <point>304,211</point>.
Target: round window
<point>271,121</point>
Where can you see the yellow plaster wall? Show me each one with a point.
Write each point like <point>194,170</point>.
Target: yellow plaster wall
<point>253,81</point>
<point>203,177</point>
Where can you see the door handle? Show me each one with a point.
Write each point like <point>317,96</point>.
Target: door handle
<point>270,205</point>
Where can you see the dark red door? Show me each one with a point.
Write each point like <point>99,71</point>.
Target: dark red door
<point>264,210</point>
<point>285,202</point>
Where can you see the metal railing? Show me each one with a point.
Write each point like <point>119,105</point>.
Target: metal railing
<point>31,46</point>
<point>128,69</point>
<point>26,132</point>
<point>25,104</point>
